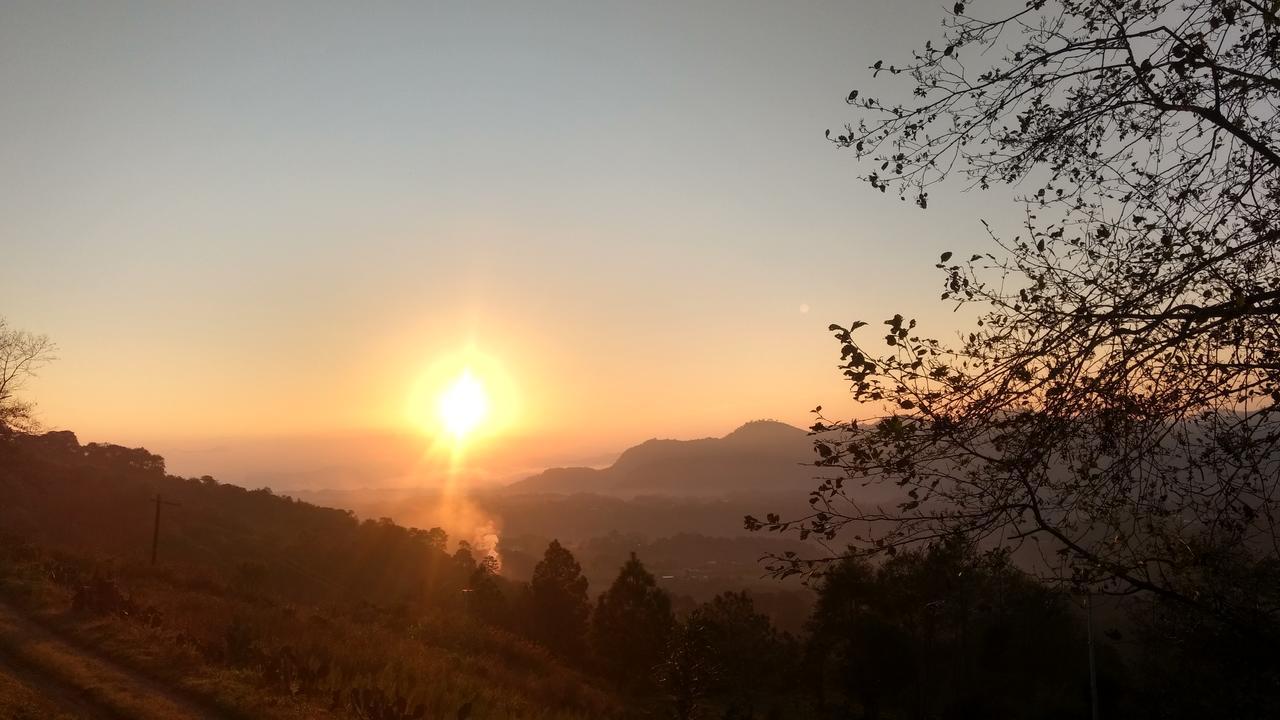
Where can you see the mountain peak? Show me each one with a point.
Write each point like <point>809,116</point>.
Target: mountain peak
<point>759,456</point>
<point>756,430</point>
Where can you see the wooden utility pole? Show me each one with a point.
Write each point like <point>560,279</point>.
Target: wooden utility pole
<point>155,534</point>
<point>1093,668</point>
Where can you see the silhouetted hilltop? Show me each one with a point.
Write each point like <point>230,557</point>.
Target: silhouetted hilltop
<point>769,432</point>
<point>259,606</point>
<point>762,456</point>
<point>98,497</point>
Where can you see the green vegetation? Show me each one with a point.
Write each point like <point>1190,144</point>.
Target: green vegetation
<point>631,625</point>
<point>557,603</point>
<point>1110,411</point>
<point>263,606</point>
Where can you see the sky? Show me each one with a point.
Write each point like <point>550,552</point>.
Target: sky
<point>246,223</point>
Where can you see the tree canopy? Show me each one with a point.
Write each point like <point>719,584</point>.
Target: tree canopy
<point>1115,403</point>
<point>558,603</point>
<point>946,632</point>
<point>21,354</point>
<point>631,625</point>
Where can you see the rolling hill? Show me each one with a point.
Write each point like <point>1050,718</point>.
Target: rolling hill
<point>762,456</point>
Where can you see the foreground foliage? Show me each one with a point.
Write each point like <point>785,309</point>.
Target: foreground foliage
<point>1116,405</point>
<point>378,625</point>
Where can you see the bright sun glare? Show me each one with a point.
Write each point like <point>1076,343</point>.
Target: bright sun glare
<point>463,405</point>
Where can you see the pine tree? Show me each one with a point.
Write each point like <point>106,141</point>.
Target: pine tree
<point>558,605</point>
<point>631,626</point>
<point>487,600</point>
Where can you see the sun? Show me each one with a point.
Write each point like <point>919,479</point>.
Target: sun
<point>463,405</point>
<point>460,399</point>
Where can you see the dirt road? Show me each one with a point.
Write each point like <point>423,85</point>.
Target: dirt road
<point>78,682</point>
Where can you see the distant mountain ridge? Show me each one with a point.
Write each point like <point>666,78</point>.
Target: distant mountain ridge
<point>760,456</point>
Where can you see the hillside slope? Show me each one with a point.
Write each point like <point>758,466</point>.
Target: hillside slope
<point>260,604</point>
<point>762,456</point>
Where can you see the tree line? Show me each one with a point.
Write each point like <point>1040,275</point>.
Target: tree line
<point>928,633</point>
<point>1112,408</point>
<point>946,631</point>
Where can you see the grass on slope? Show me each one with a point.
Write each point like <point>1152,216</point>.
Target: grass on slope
<point>251,656</point>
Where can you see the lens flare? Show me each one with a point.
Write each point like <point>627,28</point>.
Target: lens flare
<point>463,405</point>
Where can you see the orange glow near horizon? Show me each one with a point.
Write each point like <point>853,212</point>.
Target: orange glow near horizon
<point>346,247</point>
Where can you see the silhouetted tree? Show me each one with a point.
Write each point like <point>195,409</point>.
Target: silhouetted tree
<point>435,538</point>
<point>868,660</point>
<point>746,662</point>
<point>21,354</point>
<point>688,672</point>
<point>1118,400</point>
<point>464,558</point>
<point>486,599</point>
<point>631,625</point>
<point>558,607</point>
<point>1188,667</point>
<point>948,632</point>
